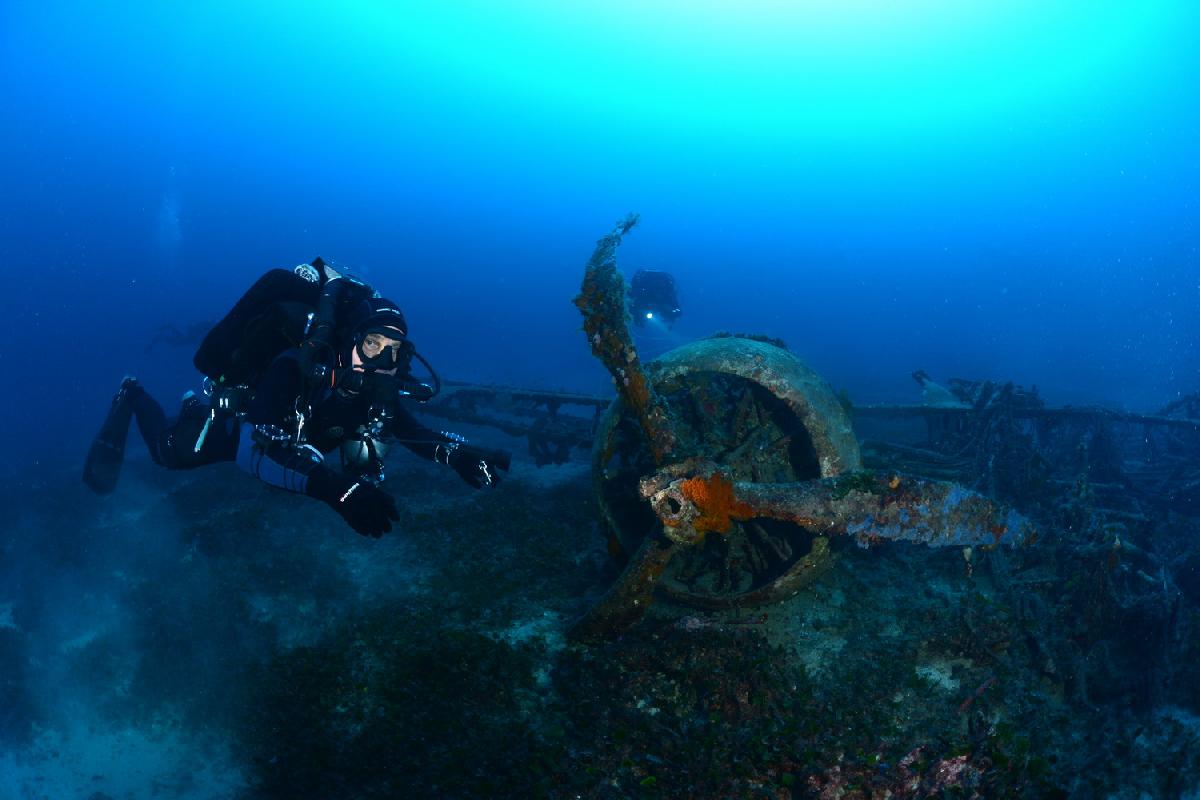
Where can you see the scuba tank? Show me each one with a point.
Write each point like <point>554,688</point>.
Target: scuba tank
<point>363,453</point>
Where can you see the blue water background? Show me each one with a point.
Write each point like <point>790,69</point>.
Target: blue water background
<point>1002,190</point>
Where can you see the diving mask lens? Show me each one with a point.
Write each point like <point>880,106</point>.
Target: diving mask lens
<point>380,352</point>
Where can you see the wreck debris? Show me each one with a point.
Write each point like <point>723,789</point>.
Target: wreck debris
<point>528,413</point>
<point>1026,453</point>
<point>602,303</point>
<point>872,507</point>
<point>748,461</point>
<point>738,402</point>
<point>627,599</point>
<point>753,408</point>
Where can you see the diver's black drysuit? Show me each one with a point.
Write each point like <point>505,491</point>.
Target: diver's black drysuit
<point>337,418</point>
<point>289,426</point>
<point>263,442</point>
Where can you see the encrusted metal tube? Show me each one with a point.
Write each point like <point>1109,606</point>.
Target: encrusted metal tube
<point>869,506</point>
<point>602,303</point>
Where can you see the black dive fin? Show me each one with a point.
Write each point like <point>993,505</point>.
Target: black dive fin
<point>103,466</point>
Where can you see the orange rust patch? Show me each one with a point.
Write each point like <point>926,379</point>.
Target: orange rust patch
<point>894,483</point>
<point>715,499</point>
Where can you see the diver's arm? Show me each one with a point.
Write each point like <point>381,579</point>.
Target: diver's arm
<point>408,431</point>
<point>478,467</point>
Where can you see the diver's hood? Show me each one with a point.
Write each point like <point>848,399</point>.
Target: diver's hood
<point>377,315</point>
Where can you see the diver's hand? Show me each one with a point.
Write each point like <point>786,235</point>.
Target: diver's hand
<point>475,466</point>
<point>368,509</point>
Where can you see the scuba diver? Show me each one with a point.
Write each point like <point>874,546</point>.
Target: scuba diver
<point>307,362</point>
<point>652,297</point>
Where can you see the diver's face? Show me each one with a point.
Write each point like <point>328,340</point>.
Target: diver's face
<point>373,346</point>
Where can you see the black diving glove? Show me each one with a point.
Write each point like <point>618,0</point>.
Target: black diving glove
<point>477,466</point>
<point>368,509</point>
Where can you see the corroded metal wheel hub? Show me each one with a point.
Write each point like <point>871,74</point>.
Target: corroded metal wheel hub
<point>757,412</point>
<point>723,466</point>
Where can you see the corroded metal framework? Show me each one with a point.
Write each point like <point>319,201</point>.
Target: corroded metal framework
<point>724,468</point>
<point>721,437</point>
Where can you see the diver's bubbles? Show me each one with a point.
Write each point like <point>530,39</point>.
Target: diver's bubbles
<point>168,232</point>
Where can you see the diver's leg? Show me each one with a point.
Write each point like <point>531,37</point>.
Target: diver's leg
<point>197,437</point>
<point>174,444</point>
<point>103,465</point>
<point>151,421</point>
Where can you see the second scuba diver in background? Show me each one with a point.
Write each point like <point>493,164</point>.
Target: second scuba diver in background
<point>308,362</point>
<point>652,296</point>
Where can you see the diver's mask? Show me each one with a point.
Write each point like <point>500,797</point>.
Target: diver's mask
<point>381,350</point>
<point>382,363</point>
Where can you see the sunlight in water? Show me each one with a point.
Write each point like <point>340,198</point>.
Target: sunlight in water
<point>817,69</point>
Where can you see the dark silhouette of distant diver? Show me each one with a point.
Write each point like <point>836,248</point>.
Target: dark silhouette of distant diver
<point>652,297</point>
<point>170,334</point>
